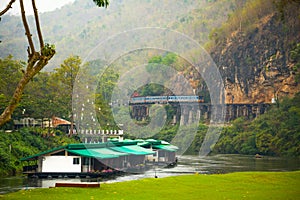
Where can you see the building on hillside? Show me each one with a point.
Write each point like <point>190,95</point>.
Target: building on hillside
<point>54,122</point>
<point>26,122</point>
<point>63,125</point>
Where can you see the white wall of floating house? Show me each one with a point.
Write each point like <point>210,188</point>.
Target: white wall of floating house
<point>61,164</point>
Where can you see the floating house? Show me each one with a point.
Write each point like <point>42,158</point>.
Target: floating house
<point>165,153</point>
<point>100,159</point>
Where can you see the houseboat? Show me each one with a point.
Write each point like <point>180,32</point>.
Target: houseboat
<point>99,159</point>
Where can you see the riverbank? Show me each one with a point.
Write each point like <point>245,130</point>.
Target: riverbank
<point>240,185</point>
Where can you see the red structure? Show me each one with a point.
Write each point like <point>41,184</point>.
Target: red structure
<point>59,121</point>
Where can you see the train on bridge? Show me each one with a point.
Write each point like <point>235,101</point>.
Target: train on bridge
<point>165,99</point>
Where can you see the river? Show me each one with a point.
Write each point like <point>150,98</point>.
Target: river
<point>187,165</point>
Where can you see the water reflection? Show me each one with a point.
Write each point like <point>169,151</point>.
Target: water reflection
<point>187,165</point>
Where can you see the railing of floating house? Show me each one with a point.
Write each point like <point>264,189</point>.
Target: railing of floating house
<point>96,136</point>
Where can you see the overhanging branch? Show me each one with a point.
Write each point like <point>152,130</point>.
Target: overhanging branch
<point>27,31</point>
<point>37,23</point>
<point>7,7</point>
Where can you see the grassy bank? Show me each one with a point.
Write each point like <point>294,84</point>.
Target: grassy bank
<point>244,185</point>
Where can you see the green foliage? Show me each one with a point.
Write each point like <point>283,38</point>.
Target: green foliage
<point>162,68</point>
<point>159,67</point>
<point>282,4</point>
<point>26,142</point>
<point>274,133</point>
<point>151,90</point>
<point>106,85</point>
<point>49,94</point>
<point>67,72</point>
<point>295,57</point>
<point>46,95</point>
<point>10,74</point>
<point>48,50</point>
<point>197,142</point>
<point>167,134</point>
<point>243,19</point>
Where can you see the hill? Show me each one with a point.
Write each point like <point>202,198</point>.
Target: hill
<point>79,27</point>
<point>257,51</point>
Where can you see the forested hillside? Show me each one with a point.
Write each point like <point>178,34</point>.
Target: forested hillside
<point>78,28</point>
<point>257,51</point>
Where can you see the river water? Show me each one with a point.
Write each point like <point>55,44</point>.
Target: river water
<point>187,165</point>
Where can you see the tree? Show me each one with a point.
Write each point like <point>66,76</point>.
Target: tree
<point>65,75</point>
<point>37,58</point>
<point>38,98</point>
<point>106,85</point>
<point>10,72</point>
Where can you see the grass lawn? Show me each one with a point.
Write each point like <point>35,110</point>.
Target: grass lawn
<point>242,185</point>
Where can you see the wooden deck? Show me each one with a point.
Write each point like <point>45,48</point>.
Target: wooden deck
<point>81,185</point>
<point>72,174</point>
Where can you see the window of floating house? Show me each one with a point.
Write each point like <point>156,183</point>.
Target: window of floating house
<point>86,161</point>
<point>75,161</point>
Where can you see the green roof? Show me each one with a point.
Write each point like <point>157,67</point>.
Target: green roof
<point>166,147</point>
<point>108,151</point>
<point>164,142</point>
<point>144,144</point>
<point>152,141</point>
<point>86,146</point>
<point>127,142</point>
<point>93,153</point>
<point>133,149</point>
<point>42,153</point>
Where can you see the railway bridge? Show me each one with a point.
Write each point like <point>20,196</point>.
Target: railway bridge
<point>140,111</point>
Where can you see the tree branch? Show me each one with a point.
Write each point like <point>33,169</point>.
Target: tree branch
<point>7,7</point>
<point>37,64</point>
<point>27,31</point>
<point>36,60</point>
<point>37,23</point>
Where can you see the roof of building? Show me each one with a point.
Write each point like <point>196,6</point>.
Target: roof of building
<point>112,149</point>
<point>33,157</point>
<point>111,152</point>
<point>133,149</point>
<point>171,148</point>
<point>59,121</point>
<point>92,153</point>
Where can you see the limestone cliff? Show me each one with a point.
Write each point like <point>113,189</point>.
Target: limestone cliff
<point>256,65</point>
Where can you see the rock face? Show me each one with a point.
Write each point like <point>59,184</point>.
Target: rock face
<point>256,66</point>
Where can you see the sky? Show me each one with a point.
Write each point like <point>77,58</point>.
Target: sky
<point>42,5</point>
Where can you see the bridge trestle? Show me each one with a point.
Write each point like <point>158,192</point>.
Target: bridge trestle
<point>203,111</point>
